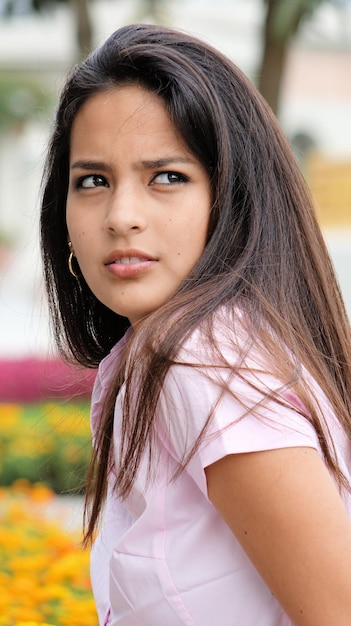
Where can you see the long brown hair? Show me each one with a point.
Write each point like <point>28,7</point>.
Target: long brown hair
<point>265,252</point>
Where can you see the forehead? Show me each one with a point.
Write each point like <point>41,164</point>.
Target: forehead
<point>125,107</point>
<point>124,114</point>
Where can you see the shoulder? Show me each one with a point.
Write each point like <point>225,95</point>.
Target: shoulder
<point>227,334</point>
<point>221,389</point>
<point>205,360</point>
<point>227,352</point>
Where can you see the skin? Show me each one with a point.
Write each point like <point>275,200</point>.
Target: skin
<point>136,193</point>
<point>283,507</point>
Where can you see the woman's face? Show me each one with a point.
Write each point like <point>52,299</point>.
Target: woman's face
<point>138,202</point>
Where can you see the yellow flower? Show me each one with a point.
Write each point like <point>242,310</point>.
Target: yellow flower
<point>45,573</point>
<point>33,624</point>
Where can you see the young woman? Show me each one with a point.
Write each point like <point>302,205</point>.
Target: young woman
<point>181,252</point>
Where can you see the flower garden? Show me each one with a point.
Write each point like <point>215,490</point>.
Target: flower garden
<point>44,451</point>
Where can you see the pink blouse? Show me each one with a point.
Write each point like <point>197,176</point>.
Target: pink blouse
<point>164,557</point>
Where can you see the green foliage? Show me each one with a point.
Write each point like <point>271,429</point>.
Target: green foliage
<point>47,443</point>
<point>287,16</point>
<point>21,98</point>
<point>36,6</point>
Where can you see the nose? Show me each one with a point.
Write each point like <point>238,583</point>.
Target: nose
<point>126,211</point>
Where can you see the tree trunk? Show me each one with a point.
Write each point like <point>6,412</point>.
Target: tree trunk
<point>84,30</point>
<point>273,61</point>
<point>272,71</point>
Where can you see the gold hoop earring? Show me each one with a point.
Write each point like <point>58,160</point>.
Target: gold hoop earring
<point>70,265</point>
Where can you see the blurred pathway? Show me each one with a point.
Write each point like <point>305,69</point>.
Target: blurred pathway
<point>68,511</point>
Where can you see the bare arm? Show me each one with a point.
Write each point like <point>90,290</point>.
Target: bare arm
<point>285,510</point>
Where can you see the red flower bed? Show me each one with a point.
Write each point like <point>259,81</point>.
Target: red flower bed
<point>34,379</point>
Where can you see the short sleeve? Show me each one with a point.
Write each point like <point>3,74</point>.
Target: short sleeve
<point>252,414</point>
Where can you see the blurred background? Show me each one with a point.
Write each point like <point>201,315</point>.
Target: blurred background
<point>298,53</point>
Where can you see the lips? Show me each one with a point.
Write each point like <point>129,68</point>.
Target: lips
<point>128,264</point>
<point>128,257</point>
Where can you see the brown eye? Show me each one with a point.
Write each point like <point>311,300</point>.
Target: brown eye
<point>169,178</point>
<point>94,180</point>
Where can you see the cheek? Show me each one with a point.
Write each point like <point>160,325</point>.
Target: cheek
<point>70,222</point>
<point>75,217</point>
<point>188,253</point>
<point>82,244</point>
<point>76,226</point>
<point>198,234</point>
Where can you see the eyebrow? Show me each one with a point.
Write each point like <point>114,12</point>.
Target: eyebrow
<point>158,163</point>
<point>90,165</point>
<point>144,164</point>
